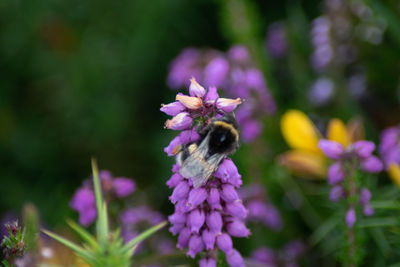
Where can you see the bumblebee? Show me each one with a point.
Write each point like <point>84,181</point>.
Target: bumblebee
<point>199,160</point>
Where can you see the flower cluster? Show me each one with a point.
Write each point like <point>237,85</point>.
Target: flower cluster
<point>236,74</point>
<point>260,210</point>
<point>389,149</point>
<point>12,244</point>
<point>205,217</point>
<point>84,202</point>
<point>341,174</point>
<point>287,256</point>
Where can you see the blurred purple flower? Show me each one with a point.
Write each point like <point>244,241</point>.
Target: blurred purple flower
<point>321,91</point>
<point>83,201</point>
<point>346,161</point>
<point>233,71</point>
<point>276,42</point>
<point>389,147</point>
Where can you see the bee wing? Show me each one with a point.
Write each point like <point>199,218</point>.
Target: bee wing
<point>197,168</point>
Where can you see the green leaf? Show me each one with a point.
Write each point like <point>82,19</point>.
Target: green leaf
<point>395,205</point>
<point>69,244</point>
<point>85,235</point>
<point>381,240</point>
<point>322,231</point>
<point>102,227</point>
<point>378,222</point>
<point>143,236</point>
<point>102,217</point>
<point>97,186</point>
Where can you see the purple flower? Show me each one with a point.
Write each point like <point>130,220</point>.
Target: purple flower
<point>237,228</point>
<point>364,148</point>
<point>365,196</point>
<point>350,218</point>
<point>123,187</point>
<point>195,245</point>
<point>196,220</point>
<point>84,202</point>
<point>235,72</point>
<point>224,242</point>
<point>234,259</point>
<point>181,121</point>
<point>372,164</point>
<point>209,239</point>
<point>207,262</point>
<point>335,173</point>
<point>337,192</point>
<point>173,108</point>
<point>348,161</point>
<point>276,40</point>
<point>331,149</point>
<point>205,217</point>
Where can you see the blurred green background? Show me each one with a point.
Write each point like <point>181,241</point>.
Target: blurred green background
<point>86,78</point>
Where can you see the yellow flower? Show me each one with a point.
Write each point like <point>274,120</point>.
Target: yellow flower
<point>394,173</point>
<point>305,158</point>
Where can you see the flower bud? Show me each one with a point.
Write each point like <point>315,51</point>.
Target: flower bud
<point>228,193</point>
<point>234,259</point>
<point>207,262</point>
<point>195,245</point>
<point>212,94</point>
<point>171,148</point>
<point>335,173</point>
<point>196,197</point>
<point>371,164</point>
<point>365,196</point>
<point>196,220</point>
<point>350,218</point>
<point>236,209</point>
<point>237,228</point>
<point>195,89</point>
<point>175,179</point>
<point>123,186</point>
<point>364,148</point>
<point>228,105</point>
<point>336,193</point>
<point>224,242</point>
<point>181,121</point>
<point>331,149</point>
<point>183,238</point>
<point>172,109</point>
<point>213,199</point>
<point>214,221</point>
<point>177,217</point>
<point>208,239</point>
<point>190,102</point>
<point>368,210</point>
<point>180,192</point>
<point>176,228</point>
<point>227,170</point>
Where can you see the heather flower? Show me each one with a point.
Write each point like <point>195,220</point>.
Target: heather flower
<point>341,173</point>
<point>84,202</point>
<point>260,210</point>
<point>206,217</point>
<point>389,150</point>
<point>235,73</point>
<point>286,256</point>
<point>275,41</point>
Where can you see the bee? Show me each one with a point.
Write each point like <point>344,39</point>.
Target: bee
<point>199,160</point>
